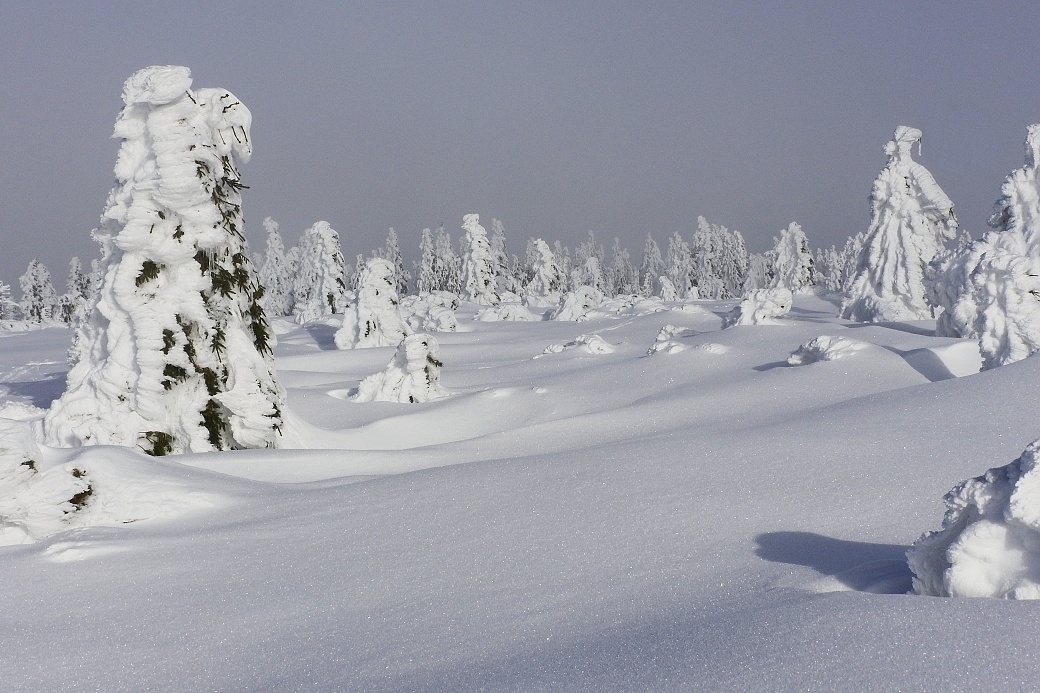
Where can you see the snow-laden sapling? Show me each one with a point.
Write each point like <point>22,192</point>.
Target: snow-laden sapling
<point>667,341</point>
<point>318,287</point>
<point>175,355</point>
<point>910,219</point>
<point>412,376</point>
<point>989,544</point>
<point>576,304</point>
<point>824,348</point>
<point>762,307</point>
<point>478,265</point>
<point>990,288</point>
<point>375,318</point>
<point>430,312</point>
<point>548,279</point>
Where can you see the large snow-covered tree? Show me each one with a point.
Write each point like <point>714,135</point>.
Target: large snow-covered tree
<point>793,268</point>
<point>175,355</point>
<point>679,266</point>
<point>478,265</point>
<point>39,299</point>
<point>991,288</point>
<point>650,270</point>
<point>547,280</point>
<point>392,253</point>
<point>73,303</point>
<point>910,219</point>
<point>448,265</point>
<point>319,286</point>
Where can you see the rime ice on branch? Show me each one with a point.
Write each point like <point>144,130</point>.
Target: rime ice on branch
<point>175,356</point>
<point>910,218</point>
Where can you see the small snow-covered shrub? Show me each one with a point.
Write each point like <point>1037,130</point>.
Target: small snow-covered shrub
<point>824,348</point>
<point>576,304</point>
<point>762,307</point>
<point>506,312</point>
<point>989,544</point>
<point>432,312</point>
<point>375,319</point>
<point>667,341</point>
<point>412,376</point>
<point>591,343</point>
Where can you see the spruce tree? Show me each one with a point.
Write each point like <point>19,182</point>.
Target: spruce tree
<point>319,286</point>
<point>175,355</point>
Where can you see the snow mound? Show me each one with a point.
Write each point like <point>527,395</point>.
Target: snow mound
<point>667,341</point>
<point>761,307</point>
<point>46,490</point>
<point>506,312</point>
<point>576,304</point>
<point>413,375</point>
<point>713,348</point>
<point>626,305</point>
<point>591,343</point>
<point>432,312</point>
<point>825,348</point>
<point>989,544</point>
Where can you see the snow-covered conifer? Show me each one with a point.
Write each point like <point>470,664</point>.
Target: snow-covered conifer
<point>990,288</point>
<point>705,254</point>
<point>500,259</point>
<point>412,376</point>
<point>910,218</point>
<point>425,268</point>
<point>39,299</point>
<point>448,268</point>
<point>375,318</point>
<point>175,356</point>
<point>668,290</point>
<point>624,279</point>
<point>793,268</point>
<point>679,266</point>
<point>319,286</point>
<point>588,274</point>
<point>7,306</point>
<point>761,307</point>
<point>74,301</point>
<point>478,265</point>
<point>392,252</point>
<point>731,262</point>
<point>760,271</point>
<point>274,273</point>
<point>650,270</point>
<point>547,281</point>
<point>828,265</point>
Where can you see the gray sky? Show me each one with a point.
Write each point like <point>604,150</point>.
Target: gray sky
<point>556,117</point>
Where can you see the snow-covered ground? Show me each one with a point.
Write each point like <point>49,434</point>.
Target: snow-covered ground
<point>707,518</point>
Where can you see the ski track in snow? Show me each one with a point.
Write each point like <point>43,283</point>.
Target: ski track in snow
<point>711,518</point>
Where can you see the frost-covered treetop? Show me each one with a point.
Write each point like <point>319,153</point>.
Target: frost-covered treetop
<point>157,85</point>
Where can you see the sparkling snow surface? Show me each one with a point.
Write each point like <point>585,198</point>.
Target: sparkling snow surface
<point>701,519</point>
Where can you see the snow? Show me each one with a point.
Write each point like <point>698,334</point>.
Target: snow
<point>710,519</point>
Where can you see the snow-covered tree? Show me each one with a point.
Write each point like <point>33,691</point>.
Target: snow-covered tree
<point>412,376</point>
<point>375,318</point>
<point>448,267</point>
<point>793,268</point>
<point>176,354</point>
<point>705,259</point>
<point>392,253</point>
<point>991,288</point>
<point>425,268</point>
<point>910,218</point>
<point>500,259</point>
<point>319,286</point>
<point>39,299</point>
<point>650,270</point>
<point>624,279</point>
<point>679,266</point>
<point>8,307</point>
<point>761,307</point>
<point>478,265</point>
<point>73,303</point>
<point>828,265</point>
<point>274,273</point>
<point>547,281</point>
<point>760,271</point>
<point>588,274</point>
<point>730,261</point>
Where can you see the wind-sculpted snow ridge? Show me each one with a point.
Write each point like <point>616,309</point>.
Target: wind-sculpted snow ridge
<point>431,312</point>
<point>375,318</point>
<point>761,307</point>
<point>412,376</point>
<point>176,354</point>
<point>825,348</point>
<point>990,288</point>
<point>911,218</point>
<point>989,544</point>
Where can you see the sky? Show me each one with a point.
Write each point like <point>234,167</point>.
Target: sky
<point>624,118</point>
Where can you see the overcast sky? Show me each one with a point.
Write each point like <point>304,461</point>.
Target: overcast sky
<point>556,117</point>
